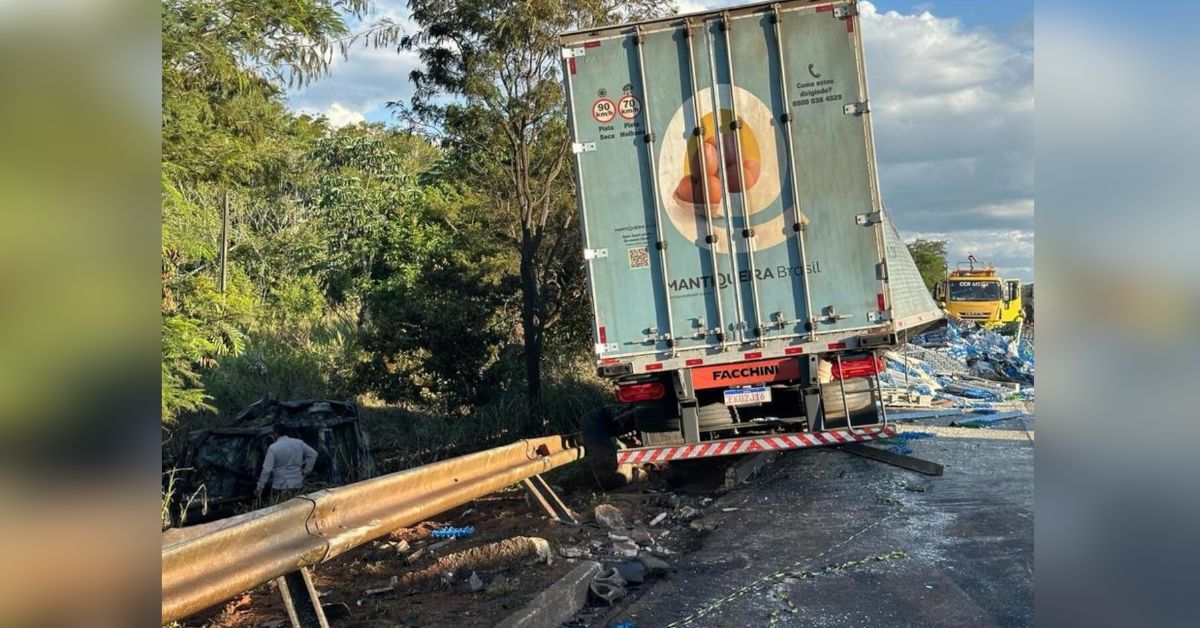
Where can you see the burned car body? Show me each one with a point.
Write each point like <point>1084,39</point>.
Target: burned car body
<point>222,464</point>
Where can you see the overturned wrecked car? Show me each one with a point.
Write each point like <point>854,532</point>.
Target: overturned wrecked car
<point>221,465</point>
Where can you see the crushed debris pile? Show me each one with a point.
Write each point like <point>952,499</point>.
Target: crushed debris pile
<point>962,366</point>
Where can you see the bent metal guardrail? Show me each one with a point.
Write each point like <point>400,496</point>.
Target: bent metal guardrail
<point>205,565</point>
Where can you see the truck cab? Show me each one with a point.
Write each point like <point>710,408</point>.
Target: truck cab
<point>980,296</point>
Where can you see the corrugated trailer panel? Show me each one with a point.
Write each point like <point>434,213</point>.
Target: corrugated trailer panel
<point>726,181</point>
<point>912,304</point>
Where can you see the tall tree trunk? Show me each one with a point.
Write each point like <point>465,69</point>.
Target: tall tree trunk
<point>532,327</point>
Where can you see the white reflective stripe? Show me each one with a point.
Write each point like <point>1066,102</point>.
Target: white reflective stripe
<point>743,445</point>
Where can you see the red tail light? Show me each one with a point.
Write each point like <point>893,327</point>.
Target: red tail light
<point>858,367</point>
<point>640,392</point>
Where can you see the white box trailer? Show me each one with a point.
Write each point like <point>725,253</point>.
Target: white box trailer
<point>742,266</point>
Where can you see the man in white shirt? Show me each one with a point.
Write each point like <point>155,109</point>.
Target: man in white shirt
<point>288,460</point>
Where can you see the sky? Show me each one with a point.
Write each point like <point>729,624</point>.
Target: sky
<point>951,90</point>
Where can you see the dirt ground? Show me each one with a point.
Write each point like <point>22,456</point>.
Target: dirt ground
<point>344,582</point>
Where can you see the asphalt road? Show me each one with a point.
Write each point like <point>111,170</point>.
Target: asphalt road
<point>955,550</point>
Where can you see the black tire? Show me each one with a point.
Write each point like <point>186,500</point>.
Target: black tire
<point>859,400</point>
<point>600,442</point>
<point>712,415</point>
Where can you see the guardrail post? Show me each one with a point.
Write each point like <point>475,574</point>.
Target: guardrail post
<point>550,501</point>
<point>300,600</point>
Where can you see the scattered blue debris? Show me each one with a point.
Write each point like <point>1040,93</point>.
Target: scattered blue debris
<point>914,435</point>
<point>984,351</point>
<point>450,532</point>
<point>903,450</point>
<point>624,624</point>
<point>958,364</point>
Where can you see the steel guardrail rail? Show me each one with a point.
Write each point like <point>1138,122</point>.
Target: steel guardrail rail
<point>208,564</point>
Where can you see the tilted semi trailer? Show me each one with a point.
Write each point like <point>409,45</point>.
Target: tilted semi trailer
<point>743,271</point>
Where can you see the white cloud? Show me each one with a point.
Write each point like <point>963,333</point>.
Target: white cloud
<point>367,80</point>
<point>341,116</point>
<point>952,109</point>
<point>1010,250</point>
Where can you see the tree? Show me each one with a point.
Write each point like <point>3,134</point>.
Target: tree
<point>227,134</point>
<point>930,257</point>
<point>490,92</point>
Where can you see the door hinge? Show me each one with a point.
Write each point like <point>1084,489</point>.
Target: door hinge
<point>857,108</point>
<point>605,348</point>
<point>594,253</point>
<point>881,316</point>
<point>571,53</point>
<point>584,147</point>
<point>845,11</point>
<point>869,218</point>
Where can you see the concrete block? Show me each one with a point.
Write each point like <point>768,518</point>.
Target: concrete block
<point>559,602</point>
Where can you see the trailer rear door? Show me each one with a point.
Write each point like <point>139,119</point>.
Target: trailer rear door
<point>726,178</point>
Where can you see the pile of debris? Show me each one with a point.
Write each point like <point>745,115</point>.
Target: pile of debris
<point>962,365</point>
<point>630,553</point>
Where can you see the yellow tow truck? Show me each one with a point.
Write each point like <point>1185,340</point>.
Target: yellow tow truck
<point>974,292</point>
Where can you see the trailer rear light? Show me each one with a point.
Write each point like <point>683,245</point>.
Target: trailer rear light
<point>648,391</point>
<point>858,367</point>
<point>607,361</point>
<point>656,366</point>
<point>693,362</point>
<point>793,351</point>
<point>837,345</point>
<point>754,355</point>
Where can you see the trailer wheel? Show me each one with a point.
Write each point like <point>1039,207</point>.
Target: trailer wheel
<point>600,441</point>
<point>709,416</point>
<point>714,415</point>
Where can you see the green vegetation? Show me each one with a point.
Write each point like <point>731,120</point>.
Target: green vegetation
<point>429,269</point>
<point>930,257</point>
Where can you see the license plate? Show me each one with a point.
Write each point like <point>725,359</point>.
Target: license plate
<point>747,396</point>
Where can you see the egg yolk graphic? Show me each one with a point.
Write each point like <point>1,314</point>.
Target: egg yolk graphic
<point>701,184</point>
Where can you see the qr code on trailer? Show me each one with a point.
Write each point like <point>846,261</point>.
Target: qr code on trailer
<point>639,257</point>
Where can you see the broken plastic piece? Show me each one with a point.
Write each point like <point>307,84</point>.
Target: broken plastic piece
<point>451,532</point>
